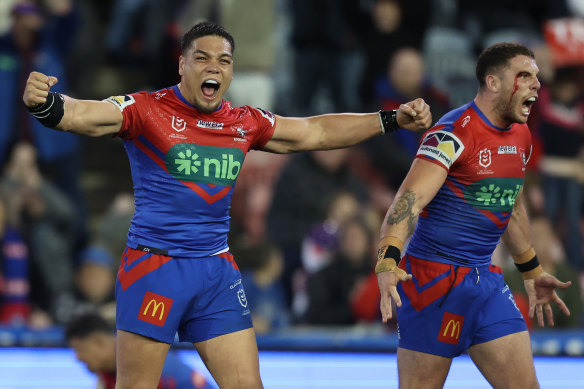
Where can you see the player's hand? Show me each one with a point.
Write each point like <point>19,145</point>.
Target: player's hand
<point>541,291</point>
<point>387,282</point>
<point>414,115</point>
<point>37,88</point>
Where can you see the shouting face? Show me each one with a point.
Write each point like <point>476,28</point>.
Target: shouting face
<point>518,86</point>
<point>206,70</point>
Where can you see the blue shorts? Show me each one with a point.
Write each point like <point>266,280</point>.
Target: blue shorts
<point>447,308</point>
<point>200,298</point>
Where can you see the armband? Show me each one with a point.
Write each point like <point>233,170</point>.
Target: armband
<point>388,120</point>
<point>388,253</point>
<point>528,264</point>
<point>50,113</point>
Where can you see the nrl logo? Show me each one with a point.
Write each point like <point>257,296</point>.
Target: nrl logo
<point>178,124</point>
<point>485,158</point>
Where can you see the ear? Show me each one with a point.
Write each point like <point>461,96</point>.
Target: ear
<point>181,65</point>
<point>493,83</point>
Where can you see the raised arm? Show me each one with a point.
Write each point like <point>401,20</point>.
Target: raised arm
<point>333,131</point>
<point>419,187</point>
<point>539,285</point>
<point>85,117</point>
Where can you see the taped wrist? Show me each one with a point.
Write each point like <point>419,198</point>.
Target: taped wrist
<point>528,264</point>
<point>388,120</point>
<point>388,254</point>
<point>51,112</point>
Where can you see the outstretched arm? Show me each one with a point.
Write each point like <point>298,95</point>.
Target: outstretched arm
<point>333,131</point>
<point>418,189</point>
<point>540,286</point>
<point>85,117</point>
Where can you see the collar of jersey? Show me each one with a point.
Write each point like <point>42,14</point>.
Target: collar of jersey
<point>482,115</point>
<point>182,98</point>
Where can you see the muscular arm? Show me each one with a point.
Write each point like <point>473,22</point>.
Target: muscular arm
<point>85,117</point>
<point>333,131</point>
<point>417,190</point>
<point>517,235</point>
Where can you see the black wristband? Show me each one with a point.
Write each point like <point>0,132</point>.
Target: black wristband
<point>527,266</point>
<point>392,252</point>
<point>51,111</point>
<point>388,121</point>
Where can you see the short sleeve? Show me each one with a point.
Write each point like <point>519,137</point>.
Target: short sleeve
<point>441,147</point>
<point>266,125</point>
<point>134,108</point>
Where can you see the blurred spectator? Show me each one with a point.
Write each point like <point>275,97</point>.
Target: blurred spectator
<point>92,339</point>
<point>561,128</point>
<point>94,286</point>
<point>331,290</point>
<point>405,79</point>
<point>39,39</point>
<point>263,289</point>
<point>44,217</point>
<point>326,54</point>
<point>142,36</point>
<point>389,26</point>
<point>299,201</point>
<point>113,225</point>
<point>14,284</point>
<point>552,257</point>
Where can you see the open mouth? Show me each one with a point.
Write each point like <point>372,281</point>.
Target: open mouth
<point>210,88</point>
<point>527,104</point>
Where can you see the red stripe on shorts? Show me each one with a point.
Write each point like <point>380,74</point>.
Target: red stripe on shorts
<point>127,278</point>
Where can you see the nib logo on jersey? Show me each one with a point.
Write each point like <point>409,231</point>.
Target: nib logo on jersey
<point>495,194</point>
<point>204,164</point>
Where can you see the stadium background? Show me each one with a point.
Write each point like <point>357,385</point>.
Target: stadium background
<point>299,58</point>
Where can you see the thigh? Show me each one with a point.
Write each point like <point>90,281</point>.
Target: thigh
<point>506,362</point>
<point>232,359</point>
<point>139,361</point>
<point>421,370</point>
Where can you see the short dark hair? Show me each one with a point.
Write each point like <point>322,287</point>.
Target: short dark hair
<point>86,324</point>
<point>495,57</point>
<point>204,29</point>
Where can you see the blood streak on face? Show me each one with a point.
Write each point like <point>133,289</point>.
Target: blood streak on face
<point>515,88</point>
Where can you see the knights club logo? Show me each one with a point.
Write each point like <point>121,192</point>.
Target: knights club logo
<point>178,124</point>
<point>485,158</point>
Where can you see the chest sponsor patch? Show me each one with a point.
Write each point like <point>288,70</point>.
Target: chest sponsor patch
<point>210,125</point>
<point>442,146</point>
<point>204,164</point>
<point>495,194</point>
<point>507,150</point>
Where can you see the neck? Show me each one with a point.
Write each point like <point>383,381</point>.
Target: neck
<point>488,107</point>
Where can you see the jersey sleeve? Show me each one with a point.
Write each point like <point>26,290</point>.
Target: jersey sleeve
<point>134,108</point>
<point>440,146</point>
<point>266,125</point>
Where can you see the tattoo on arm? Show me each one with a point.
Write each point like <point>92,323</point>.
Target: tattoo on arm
<point>402,210</point>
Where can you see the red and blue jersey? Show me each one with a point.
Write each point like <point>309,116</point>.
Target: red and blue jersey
<point>184,166</point>
<point>486,167</point>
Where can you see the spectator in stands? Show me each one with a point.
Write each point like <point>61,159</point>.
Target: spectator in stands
<point>41,35</point>
<point>45,218</point>
<point>299,200</point>
<point>332,289</point>
<point>561,129</point>
<point>405,77</point>
<point>264,291</point>
<point>94,343</point>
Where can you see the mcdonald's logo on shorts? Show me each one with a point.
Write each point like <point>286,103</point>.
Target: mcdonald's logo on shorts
<point>451,328</point>
<point>154,309</point>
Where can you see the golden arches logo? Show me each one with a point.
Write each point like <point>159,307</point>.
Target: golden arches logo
<point>455,330</point>
<point>157,305</point>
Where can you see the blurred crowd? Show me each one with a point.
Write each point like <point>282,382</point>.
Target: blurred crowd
<point>305,226</point>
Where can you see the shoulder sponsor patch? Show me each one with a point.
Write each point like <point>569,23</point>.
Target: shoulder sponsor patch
<point>442,146</point>
<point>268,115</point>
<point>121,101</point>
